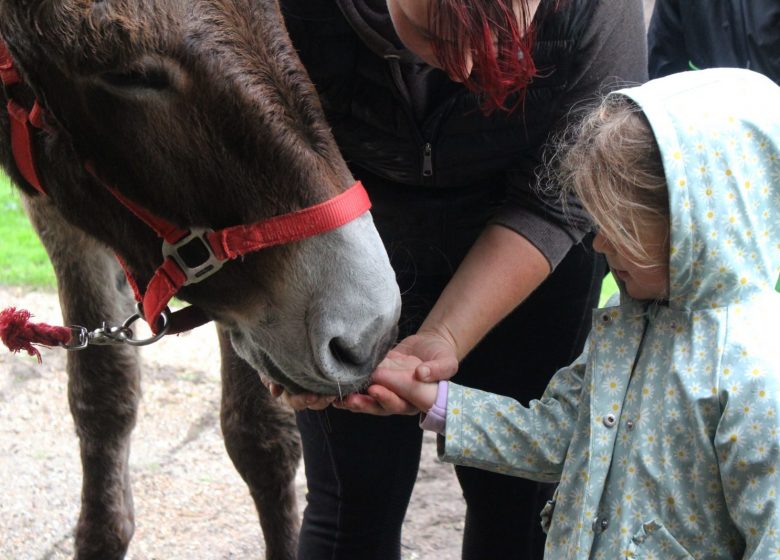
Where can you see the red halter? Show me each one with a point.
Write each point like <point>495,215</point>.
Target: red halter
<point>21,121</point>
<point>189,255</point>
<point>192,255</point>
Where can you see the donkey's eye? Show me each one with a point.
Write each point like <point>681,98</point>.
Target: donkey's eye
<point>148,79</point>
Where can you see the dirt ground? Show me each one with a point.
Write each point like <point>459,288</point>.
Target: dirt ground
<point>190,503</point>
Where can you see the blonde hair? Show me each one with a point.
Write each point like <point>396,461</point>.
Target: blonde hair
<point>611,162</point>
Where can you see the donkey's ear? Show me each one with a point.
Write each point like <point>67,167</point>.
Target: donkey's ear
<point>8,6</point>
<point>30,20</point>
<point>14,13</point>
<point>31,10</point>
<point>25,25</point>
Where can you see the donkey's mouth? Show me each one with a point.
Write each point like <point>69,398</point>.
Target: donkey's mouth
<point>265,365</point>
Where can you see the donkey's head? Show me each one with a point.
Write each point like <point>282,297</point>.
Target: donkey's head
<point>200,112</point>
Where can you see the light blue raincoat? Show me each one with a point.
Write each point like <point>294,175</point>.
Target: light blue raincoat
<point>665,433</point>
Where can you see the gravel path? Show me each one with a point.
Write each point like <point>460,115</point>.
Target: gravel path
<point>190,503</point>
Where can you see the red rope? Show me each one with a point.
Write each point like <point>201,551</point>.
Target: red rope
<point>18,333</point>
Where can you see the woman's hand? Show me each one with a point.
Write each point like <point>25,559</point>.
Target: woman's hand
<point>300,401</point>
<point>437,353</point>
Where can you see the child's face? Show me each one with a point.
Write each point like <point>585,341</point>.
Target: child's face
<point>646,281</point>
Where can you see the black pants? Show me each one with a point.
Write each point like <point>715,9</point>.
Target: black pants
<point>361,469</point>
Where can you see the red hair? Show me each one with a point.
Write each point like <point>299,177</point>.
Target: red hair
<point>500,68</point>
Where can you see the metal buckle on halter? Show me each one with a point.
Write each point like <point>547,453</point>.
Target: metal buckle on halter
<point>107,335</point>
<point>194,256</point>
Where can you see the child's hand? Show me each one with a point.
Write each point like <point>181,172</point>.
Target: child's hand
<point>395,389</point>
<point>397,373</point>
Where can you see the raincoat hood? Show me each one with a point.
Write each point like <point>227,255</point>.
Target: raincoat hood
<point>719,135</point>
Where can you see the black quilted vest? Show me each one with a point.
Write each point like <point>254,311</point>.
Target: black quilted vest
<point>367,102</point>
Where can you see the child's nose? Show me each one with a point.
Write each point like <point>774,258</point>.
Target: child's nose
<point>600,243</point>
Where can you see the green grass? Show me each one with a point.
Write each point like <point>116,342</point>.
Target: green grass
<point>23,260</point>
<point>608,287</point>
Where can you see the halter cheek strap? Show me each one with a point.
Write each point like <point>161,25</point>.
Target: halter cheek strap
<point>22,120</point>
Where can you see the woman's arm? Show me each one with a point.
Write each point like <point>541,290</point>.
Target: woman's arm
<point>498,273</point>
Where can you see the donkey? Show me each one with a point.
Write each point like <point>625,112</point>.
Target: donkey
<point>196,112</point>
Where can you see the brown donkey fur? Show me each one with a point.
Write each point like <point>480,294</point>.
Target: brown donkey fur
<point>198,110</point>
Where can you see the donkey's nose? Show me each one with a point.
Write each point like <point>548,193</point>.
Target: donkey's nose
<point>351,357</point>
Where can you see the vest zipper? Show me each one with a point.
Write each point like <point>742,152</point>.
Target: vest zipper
<point>427,160</point>
<point>394,63</point>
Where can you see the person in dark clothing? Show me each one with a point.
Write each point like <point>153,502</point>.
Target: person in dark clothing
<point>470,238</point>
<point>697,34</point>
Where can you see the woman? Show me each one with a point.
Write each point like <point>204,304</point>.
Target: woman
<point>451,174</point>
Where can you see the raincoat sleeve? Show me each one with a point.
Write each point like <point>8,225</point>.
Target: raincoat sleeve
<point>747,441</point>
<point>497,433</point>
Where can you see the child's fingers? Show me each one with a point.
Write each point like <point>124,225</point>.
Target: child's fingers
<point>398,361</point>
<point>390,402</point>
<point>401,393</point>
<point>397,381</point>
<point>379,402</point>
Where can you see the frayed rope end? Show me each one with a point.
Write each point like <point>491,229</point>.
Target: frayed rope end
<point>18,333</point>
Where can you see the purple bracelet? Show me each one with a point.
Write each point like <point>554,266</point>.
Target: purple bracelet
<point>435,420</point>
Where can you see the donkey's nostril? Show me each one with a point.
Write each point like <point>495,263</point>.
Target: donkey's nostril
<point>346,353</point>
<point>347,357</point>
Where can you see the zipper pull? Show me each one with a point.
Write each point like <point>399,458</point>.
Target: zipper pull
<point>427,160</point>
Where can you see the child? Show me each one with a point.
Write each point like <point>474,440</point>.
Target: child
<point>665,434</point>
